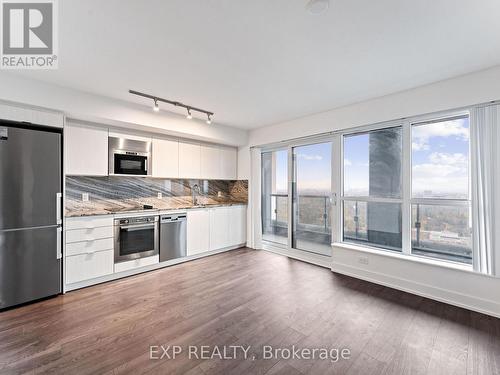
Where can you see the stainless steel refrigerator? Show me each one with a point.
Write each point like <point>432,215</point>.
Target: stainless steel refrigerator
<point>30,213</point>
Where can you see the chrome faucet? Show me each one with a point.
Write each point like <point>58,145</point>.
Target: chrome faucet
<point>194,188</point>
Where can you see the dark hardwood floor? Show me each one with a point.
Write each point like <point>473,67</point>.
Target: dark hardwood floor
<point>246,297</point>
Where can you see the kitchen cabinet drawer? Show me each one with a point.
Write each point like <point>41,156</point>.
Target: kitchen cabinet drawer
<point>89,247</point>
<point>136,263</point>
<point>78,235</point>
<point>89,266</point>
<point>88,222</point>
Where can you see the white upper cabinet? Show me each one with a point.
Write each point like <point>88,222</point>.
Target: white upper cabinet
<point>229,164</point>
<point>189,160</point>
<point>35,116</point>
<point>218,163</point>
<point>165,158</point>
<point>86,150</point>
<point>210,162</point>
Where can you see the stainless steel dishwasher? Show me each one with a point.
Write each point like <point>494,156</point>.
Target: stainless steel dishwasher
<point>172,236</point>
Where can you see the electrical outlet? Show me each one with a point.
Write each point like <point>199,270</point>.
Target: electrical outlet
<point>160,196</point>
<point>363,260</point>
<point>85,197</point>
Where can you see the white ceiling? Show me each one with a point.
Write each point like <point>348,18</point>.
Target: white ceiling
<point>260,62</point>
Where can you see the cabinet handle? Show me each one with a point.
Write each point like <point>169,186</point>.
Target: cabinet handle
<point>59,243</point>
<point>58,208</point>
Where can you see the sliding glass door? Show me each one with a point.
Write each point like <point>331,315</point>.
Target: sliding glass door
<point>274,203</point>
<point>311,197</point>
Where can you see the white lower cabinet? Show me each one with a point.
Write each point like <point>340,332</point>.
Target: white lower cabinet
<point>227,226</point>
<point>237,225</point>
<point>89,266</point>
<point>219,227</point>
<point>198,231</point>
<point>89,248</point>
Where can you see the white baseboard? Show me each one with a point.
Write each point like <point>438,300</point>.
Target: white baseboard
<point>443,295</point>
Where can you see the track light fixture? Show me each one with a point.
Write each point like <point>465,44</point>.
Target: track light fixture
<point>189,108</point>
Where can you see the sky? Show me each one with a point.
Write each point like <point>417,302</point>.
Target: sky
<point>440,153</point>
<point>440,159</point>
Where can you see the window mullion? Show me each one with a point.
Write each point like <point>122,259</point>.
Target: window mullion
<point>337,187</point>
<point>291,197</point>
<point>406,193</point>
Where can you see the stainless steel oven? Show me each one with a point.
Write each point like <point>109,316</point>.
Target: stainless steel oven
<point>129,156</point>
<point>136,237</point>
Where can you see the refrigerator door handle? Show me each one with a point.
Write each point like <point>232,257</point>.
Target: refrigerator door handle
<point>58,208</point>
<point>59,242</point>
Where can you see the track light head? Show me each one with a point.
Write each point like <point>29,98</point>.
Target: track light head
<point>189,116</point>
<point>156,107</point>
<point>209,119</point>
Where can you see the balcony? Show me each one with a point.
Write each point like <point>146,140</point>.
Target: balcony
<point>312,227</point>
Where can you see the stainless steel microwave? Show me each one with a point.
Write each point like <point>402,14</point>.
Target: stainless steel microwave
<point>129,157</point>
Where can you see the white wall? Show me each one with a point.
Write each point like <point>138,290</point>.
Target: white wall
<point>458,92</point>
<point>100,109</point>
<point>475,291</point>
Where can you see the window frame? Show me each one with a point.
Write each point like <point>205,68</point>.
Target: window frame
<point>343,197</point>
<point>271,150</point>
<point>448,202</point>
<point>406,199</point>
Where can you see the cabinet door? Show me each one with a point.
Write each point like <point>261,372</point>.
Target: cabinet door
<point>86,150</point>
<point>165,158</point>
<point>229,162</point>
<point>238,225</point>
<point>219,228</point>
<point>198,231</point>
<point>211,162</point>
<point>189,160</point>
<point>34,116</point>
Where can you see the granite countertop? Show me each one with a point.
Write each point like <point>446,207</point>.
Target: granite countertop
<point>94,211</point>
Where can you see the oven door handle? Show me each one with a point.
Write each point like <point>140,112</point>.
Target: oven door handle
<point>137,227</point>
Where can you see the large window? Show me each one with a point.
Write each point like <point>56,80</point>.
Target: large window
<point>403,187</point>
<point>372,188</point>
<point>441,223</point>
<point>424,213</point>
<point>275,196</point>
